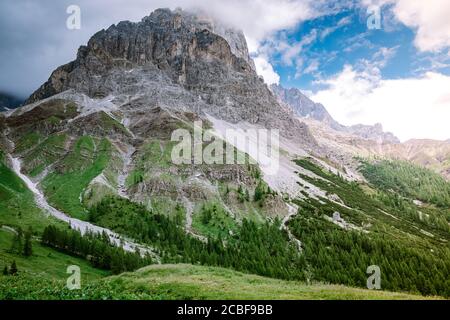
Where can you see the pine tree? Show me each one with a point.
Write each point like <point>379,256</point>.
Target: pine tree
<point>28,247</point>
<point>5,271</point>
<point>13,270</point>
<point>247,195</point>
<point>259,192</point>
<point>16,245</point>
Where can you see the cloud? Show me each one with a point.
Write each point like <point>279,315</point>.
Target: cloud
<point>312,67</point>
<point>430,20</point>
<point>35,39</point>
<point>341,23</point>
<point>410,108</point>
<point>290,52</point>
<point>265,69</point>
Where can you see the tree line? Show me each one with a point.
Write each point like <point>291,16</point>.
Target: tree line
<point>96,248</point>
<point>257,248</point>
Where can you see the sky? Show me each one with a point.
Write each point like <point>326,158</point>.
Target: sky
<point>366,61</point>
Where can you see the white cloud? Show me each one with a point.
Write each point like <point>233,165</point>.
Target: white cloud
<point>257,18</point>
<point>341,23</point>
<point>410,108</point>
<point>265,69</point>
<point>290,52</point>
<point>312,67</point>
<point>430,19</point>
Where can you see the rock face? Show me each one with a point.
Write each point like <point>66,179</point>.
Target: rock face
<point>175,60</point>
<point>303,106</point>
<point>306,108</point>
<point>109,116</point>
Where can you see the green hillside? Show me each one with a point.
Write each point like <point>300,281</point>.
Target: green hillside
<point>183,281</point>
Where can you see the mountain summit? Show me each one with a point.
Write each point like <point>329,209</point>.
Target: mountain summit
<point>176,60</point>
<point>105,120</point>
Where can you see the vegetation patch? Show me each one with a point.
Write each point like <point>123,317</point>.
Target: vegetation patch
<point>64,186</point>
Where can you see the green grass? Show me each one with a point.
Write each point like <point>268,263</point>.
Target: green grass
<point>44,154</point>
<point>87,160</point>
<point>28,141</point>
<point>17,207</point>
<point>212,220</point>
<point>154,156</point>
<point>45,262</point>
<point>183,281</point>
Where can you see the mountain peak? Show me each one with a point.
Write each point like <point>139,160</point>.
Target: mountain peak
<point>306,108</point>
<point>172,41</point>
<point>177,60</point>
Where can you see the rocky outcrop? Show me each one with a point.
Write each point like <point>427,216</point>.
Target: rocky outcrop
<point>174,42</point>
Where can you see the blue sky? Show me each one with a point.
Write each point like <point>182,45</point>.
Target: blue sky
<point>343,39</point>
<point>396,75</point>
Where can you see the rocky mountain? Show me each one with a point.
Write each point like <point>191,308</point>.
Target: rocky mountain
<point>432,154</point>
<point>372,132</point>
<point>108,116</point>
<point>93,149</point>
<point>303,106</point>
<point>428,153</point>
<point>8,102</point>
<point>306,108</point>
<point>344,142</point>
<point>175,60</point>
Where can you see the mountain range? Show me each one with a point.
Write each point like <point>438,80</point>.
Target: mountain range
<point>92,148</point>
<point>365,140</point>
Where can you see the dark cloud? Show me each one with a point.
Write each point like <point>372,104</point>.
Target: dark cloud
<point>35,40</point>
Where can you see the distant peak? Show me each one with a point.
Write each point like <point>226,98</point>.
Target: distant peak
<point>305,107</point>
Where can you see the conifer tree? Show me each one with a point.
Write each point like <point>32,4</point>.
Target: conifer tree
<point>28,247</point>
<point>13,270</point>
<point>16,245</point>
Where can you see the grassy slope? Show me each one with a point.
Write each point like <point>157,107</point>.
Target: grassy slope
<point>183,281</point>
<point>418,262</point>
<point>367,203</point>
<point>199,282</point>
<point>45,262</point>
<point>87,160</point>
<point>154,282</point>
<point>409,180</point>
<point>17,207</point>
<point>46,153</point>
